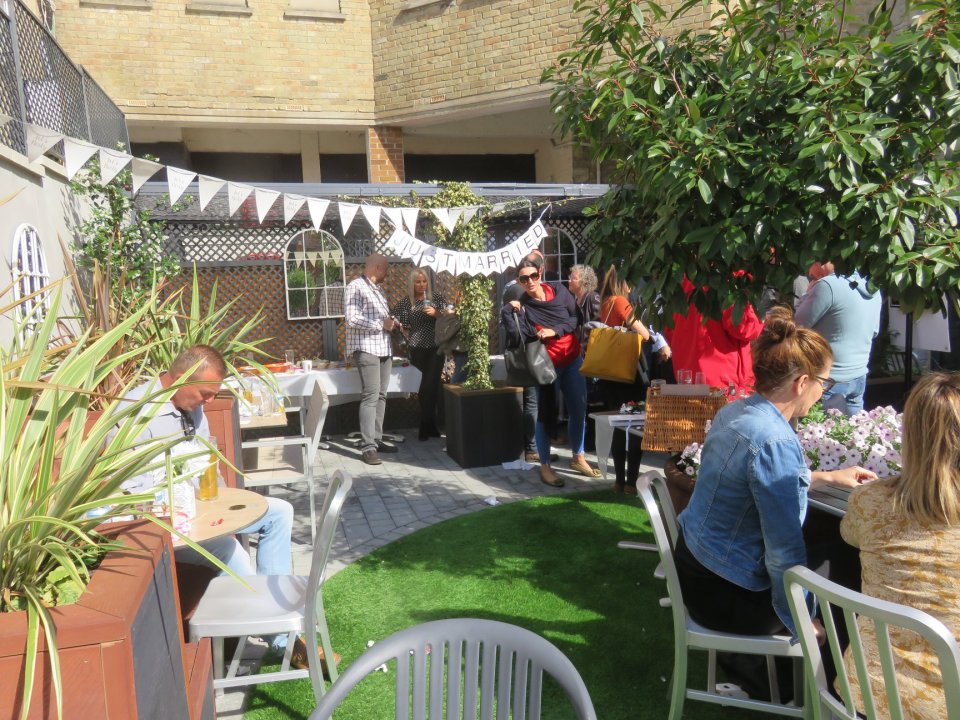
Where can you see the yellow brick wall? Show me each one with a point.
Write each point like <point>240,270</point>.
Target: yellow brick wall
<point>167,60</point>
<point>444,52</point>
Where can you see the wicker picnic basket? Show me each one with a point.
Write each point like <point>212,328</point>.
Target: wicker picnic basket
<point>675,421</point>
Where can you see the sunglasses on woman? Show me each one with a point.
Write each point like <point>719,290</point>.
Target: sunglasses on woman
<point>827,383</point>
<point>532,277</point>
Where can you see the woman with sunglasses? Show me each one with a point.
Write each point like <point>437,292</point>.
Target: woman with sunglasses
<point>743,526</point>
<point>548,312</point>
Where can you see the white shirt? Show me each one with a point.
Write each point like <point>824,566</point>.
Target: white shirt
<point>365,310</point>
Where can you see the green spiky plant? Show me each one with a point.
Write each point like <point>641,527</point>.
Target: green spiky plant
<point>58,462</point>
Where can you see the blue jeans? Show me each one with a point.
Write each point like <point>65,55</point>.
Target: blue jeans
<point>273,546</point>
<point>574,388</point>
<point>847,397</point>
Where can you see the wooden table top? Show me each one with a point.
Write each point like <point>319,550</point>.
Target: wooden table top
<point>232,510</point>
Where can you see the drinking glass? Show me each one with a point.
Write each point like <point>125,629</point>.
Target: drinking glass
<point>684,377</point>
<point>698,379</point>
<point>290,357</point>
<point>208,481</point>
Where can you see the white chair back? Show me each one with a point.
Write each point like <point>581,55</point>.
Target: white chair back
<point>859,609</point>
<point>474,665</point>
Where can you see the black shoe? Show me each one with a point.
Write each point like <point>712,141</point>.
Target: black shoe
<point>386,447</point>
<point>370,457</point>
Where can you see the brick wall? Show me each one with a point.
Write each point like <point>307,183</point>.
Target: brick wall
<point>164,59</point>
<point>444,52</point>
<point>385,155</point>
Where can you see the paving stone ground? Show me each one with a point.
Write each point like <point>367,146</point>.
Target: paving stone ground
<point>413,488</point>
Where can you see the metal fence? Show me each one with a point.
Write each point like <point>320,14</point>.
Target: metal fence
<point>39,84</point>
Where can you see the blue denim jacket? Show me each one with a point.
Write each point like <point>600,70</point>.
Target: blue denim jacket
<point>745,516</point>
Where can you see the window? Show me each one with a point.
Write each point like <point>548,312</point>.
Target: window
<point>30,275</point>
<point>314,10</point>
<point>559,254</point>
<point>313,274</point>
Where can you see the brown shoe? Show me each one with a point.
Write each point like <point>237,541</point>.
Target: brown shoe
<point>618,487</point>
<point>549,477</point>
<point>630,489</point>
<point>370,457</point>
<point>531,457</point>
<point>300,660</point>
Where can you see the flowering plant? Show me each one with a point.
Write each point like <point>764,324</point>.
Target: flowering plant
<point>832,441</point>
<point>633,407</point>
<point>689,460</point>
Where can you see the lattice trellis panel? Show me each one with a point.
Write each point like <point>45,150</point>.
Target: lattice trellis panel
<point>11,134</point>
<point>108,127</point>
<point>52,86</point>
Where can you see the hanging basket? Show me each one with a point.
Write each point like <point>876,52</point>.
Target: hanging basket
<point>679,484</point>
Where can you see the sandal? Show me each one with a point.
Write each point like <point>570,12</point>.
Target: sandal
<point>550,477</point>
<point>584,469</point>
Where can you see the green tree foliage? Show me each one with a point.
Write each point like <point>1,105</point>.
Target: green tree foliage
<point>781,134</point>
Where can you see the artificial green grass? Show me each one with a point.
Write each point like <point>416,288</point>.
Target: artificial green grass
<point>550,565</point>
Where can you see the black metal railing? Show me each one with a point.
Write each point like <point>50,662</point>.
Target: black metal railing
<point>39,84</point>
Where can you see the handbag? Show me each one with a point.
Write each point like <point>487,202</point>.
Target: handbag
<point>612,354</point>
<point>528,363</point>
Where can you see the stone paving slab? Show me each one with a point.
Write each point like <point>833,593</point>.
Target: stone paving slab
<point>416,487</point>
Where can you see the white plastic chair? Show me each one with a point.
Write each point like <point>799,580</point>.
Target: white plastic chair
<point>283,460</point>
<point>278,604</point>
<point>669,515</point>
<point>857,610</point>
<point>455,661</point>
<point>688,635</point>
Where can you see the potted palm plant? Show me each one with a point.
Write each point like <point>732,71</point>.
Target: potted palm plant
<point>88,616</point>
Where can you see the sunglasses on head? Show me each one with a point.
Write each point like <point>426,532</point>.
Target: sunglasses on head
<point>532,277</point>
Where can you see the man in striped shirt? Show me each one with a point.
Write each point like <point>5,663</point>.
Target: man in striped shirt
<point>369,324</point>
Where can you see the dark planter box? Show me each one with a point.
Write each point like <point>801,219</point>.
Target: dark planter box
<point>883,391</point>
<point>120,645</point>
<point>484,427</point>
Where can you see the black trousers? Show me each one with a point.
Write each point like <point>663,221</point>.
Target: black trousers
<point>430,365</point>
<point>626,456</point>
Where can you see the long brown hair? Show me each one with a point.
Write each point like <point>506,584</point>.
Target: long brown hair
<point>612,285</point>
<point>784,350</point>
<point>929,488</point>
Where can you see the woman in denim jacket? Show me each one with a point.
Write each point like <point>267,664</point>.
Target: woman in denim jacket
<point>742,528</point>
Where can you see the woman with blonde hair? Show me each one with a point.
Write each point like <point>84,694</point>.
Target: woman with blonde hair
<point>908,532</point>
<point>418,313</point>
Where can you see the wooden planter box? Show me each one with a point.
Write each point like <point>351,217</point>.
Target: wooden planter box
<point>120,645</point>
<point>484,427</point>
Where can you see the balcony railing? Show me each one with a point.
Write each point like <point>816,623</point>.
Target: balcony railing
<point>39,84</point>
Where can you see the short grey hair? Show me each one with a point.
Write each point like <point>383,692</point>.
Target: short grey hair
<point>588,278</point>
<point>204,357</point>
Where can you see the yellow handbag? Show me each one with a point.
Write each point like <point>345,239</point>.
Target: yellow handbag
<point>612,354</point>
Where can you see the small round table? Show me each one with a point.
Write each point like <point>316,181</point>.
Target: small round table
<point>232,510</point>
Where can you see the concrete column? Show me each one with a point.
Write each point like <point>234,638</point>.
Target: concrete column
<point>385,154</point>
<point>310,157</point>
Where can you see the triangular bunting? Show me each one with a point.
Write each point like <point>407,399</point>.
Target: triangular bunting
<point>111,163</point>
<point>143,170</point>
<point>348,211</point>
<point>265,200</point>
<point>372,214</point>
<point>291,206</point>
<point>498,208</point>
<point>209,186</point>
<point>313,257</point>
<point>39,140</point>
<point>395,216</point>
<point>455,214</point>
<point>4,119</point>
<point>237,193</point>
<point>443,215</point>
<point>410,219</point>
<point>75,155</point>
<point>469,213</point>
<point>177,181</point>
<point>317,208</point>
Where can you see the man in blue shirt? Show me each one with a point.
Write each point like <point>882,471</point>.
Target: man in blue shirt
<point>847,313</point>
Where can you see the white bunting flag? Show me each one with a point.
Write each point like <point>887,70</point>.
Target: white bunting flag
<point>265,200</point>
<point>491,263</point>
<point>237,194</point>
<point>506,258</point>
<point>532,238</point>
<point>395,216</point>
<point>443,215</point>
<point>410,219</point>
<point>469,213</point>
<point>455,215</point>
<point>428,258</point>
<point>177,181</point>
<point>498,208</point>
<point>348,211</point>
<point>394,242</point>
<point>75,155</point>
<point>445,261</point>
<point>209,186</point>
<point>4,119</point>
<point>291,206</point>
<point>317,209</point>
<point>111,163</point>
<point>372,214</point>
<point>39,140</point>
<point>518,252</point>
<point>143,170</point>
